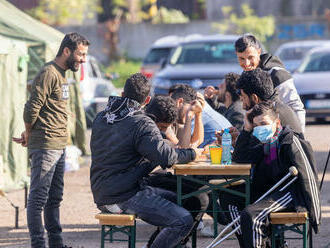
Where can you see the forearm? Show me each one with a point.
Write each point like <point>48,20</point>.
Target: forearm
<point>184,134</point>
<point>198,134</point>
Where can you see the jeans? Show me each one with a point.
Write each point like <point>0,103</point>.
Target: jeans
<point>157,207</point>
<point>46,191</point>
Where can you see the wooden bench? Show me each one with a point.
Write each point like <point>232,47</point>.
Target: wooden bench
<point>285,221</point>
<point>117,223</point>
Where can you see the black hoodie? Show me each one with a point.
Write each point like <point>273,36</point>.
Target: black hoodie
<point>126,145</point>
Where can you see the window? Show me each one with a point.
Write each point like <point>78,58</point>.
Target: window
<point>156,54</point>
<point>206,52</point>
<point>317,62</point>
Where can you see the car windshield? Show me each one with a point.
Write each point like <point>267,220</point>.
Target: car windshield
<point>156,54</point>
<point>316,62</point>
<point>294,53</point>
<point>206,52</point>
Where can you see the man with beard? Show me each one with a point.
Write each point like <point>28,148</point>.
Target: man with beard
<point>227,100</point>
<point>256,86</point>
<point>248,51</point>
<point>45,135</point>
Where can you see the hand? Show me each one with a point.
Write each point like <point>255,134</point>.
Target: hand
<point>196,107</point>
<point>234,134</point>
<point>248,126</point>
<point>210,92</point>
<point>199,152</point>
<point>201,99</point>
<point>23,140</point>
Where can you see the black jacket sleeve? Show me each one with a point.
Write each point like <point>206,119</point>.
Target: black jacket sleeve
<point>216,104</point>
<point>150,144</point>
<point>248,149</point>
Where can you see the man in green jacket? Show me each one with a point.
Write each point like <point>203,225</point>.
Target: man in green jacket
<point>45,135</point>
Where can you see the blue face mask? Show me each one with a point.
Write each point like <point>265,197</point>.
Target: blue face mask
<point>263,133</point>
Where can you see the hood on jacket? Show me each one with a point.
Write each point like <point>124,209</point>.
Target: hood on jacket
<point>118,108</point>
<point>268,61</point>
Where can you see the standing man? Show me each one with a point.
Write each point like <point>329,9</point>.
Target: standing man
<point>45,135</point>
<point>248,51</point>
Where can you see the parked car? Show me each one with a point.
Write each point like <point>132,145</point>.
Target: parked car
<point>312,81</point>
<point>292,53</point>
<point>199,61</point>
<point>158,54</point>
<point>95,89</point>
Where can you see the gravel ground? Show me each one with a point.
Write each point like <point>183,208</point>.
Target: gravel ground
<point>80,229</point>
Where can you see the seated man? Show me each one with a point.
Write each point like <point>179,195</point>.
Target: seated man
<point>212,121</point>
<point>280,148</point>
<point>226,100</point>
<point>256,86</point>
<point>126,145</point>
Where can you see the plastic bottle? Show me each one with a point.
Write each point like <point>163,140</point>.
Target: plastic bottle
<point>226,147</point>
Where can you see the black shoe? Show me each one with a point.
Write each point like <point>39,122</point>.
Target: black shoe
<point>65,246</point>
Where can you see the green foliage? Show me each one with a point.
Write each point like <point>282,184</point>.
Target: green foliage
<point>165,15</point>
<point>261,27</point>
<point>60,12</point>
<point>124,68</point>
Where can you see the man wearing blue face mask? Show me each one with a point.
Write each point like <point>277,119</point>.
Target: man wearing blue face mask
<point>278,150</point>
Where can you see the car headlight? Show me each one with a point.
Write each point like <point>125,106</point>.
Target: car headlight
<point>162,83</point>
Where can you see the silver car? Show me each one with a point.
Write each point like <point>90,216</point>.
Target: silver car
<point>312,80</point>
<point>292,53</point>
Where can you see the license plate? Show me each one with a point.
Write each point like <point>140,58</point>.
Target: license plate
<point>318,104</point>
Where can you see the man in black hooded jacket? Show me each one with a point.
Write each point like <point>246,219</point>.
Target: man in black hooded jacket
<point>126,145</point>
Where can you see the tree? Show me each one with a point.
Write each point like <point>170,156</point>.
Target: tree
<point>261,27</point>
<point>60,12</point>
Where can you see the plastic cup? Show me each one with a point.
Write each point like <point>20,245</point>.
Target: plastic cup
<point>215,154</point>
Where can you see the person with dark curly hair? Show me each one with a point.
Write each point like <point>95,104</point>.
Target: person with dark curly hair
<point>256,86</point>
<point>163,110</point>
<point>249,55</point>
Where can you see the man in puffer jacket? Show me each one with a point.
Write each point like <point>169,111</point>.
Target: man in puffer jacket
<point>126,145</point>
<point>248,51</point>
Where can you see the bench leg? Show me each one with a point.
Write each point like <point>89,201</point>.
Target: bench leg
<point>102,236</point>
<point>132,236</point>
<point>305,235</point>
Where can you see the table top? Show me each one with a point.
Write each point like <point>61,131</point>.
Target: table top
<point>206,168</point>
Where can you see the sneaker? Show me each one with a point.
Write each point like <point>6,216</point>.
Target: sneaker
<point>206,231</point>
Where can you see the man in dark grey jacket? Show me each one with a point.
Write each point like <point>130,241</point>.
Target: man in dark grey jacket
<point>126,145</point>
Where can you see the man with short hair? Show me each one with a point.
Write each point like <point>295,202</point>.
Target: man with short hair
<point>248,51</point>
<point>126,146</point>
<point>45,135</point>
<point>211,120</point>
<point>256,86</point>
<point>226,100</point>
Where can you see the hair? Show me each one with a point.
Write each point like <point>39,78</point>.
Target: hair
<point>231,81</point>
<point>71,41</point>
<point>257,82</point>
<point>162,109</point>
<point>184,91</point>
<point>137,87</point>
<point>262,108</point>
<point>247,40</point>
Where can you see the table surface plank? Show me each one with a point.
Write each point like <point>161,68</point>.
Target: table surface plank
<point>206,168</point>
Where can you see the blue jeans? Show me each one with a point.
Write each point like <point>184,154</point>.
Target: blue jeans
<point>157,207</point>
<point>46,191</point>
